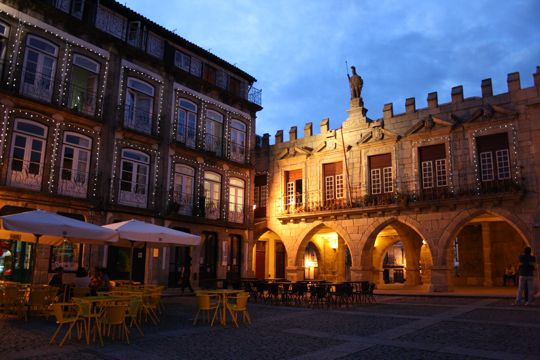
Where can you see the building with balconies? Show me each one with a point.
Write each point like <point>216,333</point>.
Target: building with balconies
<point>107,116</point>
<point>433,198</point>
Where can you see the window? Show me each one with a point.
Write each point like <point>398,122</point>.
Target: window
<point>134,169</point>
<point>494,157</point>
<point>4,33</point>
<point>381,178</point>
<point>27,154</point>
<point>433,166</point>
<point>236,200</point>
<point>139,105</point>
<point>238,141</point>
<point>210,74</point>
<point>154,45</point>
<point>214,132</point>
<point>66,256</point>
<point>76,152</point>
<point>212,195</point>
<point>333,183</point>
<point>39,68</point>
<point>187,123</point>
<point>184,178</point>
<point>73,7</point>
<point>261,195</point>
<point>136,34</point>
<point>111,22</point>
<point>293,188</point>
<point>83,85</point>
<point>234,86</point>
<point>182,60</point>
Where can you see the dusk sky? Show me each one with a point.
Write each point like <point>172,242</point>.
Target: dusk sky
<point>297,49</point>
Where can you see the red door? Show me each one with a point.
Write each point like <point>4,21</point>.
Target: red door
<point>260,260</point>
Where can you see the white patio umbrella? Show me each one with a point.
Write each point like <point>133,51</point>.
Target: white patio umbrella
<point>135,231</point>
<point>48,228</point>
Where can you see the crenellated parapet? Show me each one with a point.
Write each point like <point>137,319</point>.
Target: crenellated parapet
<point>459,107</point>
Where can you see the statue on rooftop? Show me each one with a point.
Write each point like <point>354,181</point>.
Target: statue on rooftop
<point>356,83</point>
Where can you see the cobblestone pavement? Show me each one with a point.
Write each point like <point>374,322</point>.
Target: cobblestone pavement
<point>394,328</point>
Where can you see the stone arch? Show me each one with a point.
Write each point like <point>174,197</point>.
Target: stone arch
<point>302,240</point>
<point>458,222</point>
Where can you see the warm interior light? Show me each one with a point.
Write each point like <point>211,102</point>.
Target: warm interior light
<point>308,263</point>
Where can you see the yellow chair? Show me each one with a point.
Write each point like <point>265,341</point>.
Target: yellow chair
<point>115,316</point>
<point>151,300</point>
<point>207,303</point>
<point>239,305</point>
<point>89,314</point>
<point>66,314</point>
<point>134,312</point>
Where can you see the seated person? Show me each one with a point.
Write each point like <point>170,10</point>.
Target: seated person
<point>57,280</point>
<point>81,278</point>
<point>509,274</point>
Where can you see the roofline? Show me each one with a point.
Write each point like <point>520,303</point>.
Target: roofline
<point>187,44</point>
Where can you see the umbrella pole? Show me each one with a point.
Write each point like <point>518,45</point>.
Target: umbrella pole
<point>34,256</point>
<point>131,263</point>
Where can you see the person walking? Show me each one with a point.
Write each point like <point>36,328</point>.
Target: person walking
<point>186,275</point>
<point>525,282</point>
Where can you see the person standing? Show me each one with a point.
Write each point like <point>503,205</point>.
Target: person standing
<point>525,271</point>
<point>186,275</point>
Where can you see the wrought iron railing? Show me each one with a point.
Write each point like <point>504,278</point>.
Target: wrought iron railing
<point>314,201</point>
<point>182,203</point>
<point>214,144</point>
<point>73,183</point>
<point>211,209</point>
<point>255,95</point>
<point>138,119</point>
<point>187,136</point>
<point>238,152</point>
<point>81,99</point>
<point>132,194</point>
<point>25,174</point>
<point>38,85</point>
<point>236,213</point>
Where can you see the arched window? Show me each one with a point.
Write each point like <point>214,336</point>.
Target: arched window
<point>83,85</point>
<point>212,195</point>
<point>187,123</point>
<point>139,106</point>
<point>238,141</point>
<point>39,68</point>
<point>75,165</point>
<point>134,171</point>
<point>214,132</point>
<point>236,200</point>
<point>184,179</point>
<point>28,146</point>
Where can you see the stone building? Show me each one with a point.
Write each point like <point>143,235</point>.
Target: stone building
<point>433,198</point>
<point>107,116</point>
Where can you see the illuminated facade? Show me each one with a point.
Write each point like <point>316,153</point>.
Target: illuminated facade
<point>107,116</point>
<point>432,198</point>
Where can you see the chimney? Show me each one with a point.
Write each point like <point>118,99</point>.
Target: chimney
<point>410,106</point>
<point>308,129</point>
<point>292,133</point>
<point>432,100</point>
<point>325,125</point>
<point>279,136</point>
<point>388,111</point>
<point>513,82</point>
<point>487,88</point>
<point>266,140</point>
<point>457,94</point>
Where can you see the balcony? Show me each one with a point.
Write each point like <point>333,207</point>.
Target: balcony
<point>138,119</point>
<point>81,99</point>
<point>187,136</point>
<point>131,194</point>
<point>25,174</point>
<point>213,144</point>
<point>39,86</point>
<point>236,213</point>
<point>238,152</point>
<point>182,203</point>
<point>73,183</point>
<point>312,203</point>
<point>211,209</point>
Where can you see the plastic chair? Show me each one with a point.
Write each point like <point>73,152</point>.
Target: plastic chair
<point>66,314</point>
<point>90,313</point>
<point>207,303</point>
<point>239,305</point>
<point>134,313</point>
<point>115,318</point>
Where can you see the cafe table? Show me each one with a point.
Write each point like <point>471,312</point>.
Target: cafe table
<point>224,295</point>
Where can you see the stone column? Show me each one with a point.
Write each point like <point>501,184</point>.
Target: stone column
<point>361,274</point>
<point>439,279</point>
<point>486,250</point>
<point>412,276</point>
<point>294,273</point>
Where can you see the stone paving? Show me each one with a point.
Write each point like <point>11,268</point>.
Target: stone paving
<point>396,327</point>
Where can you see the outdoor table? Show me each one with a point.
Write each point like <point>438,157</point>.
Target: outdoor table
<point>223,294</point>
